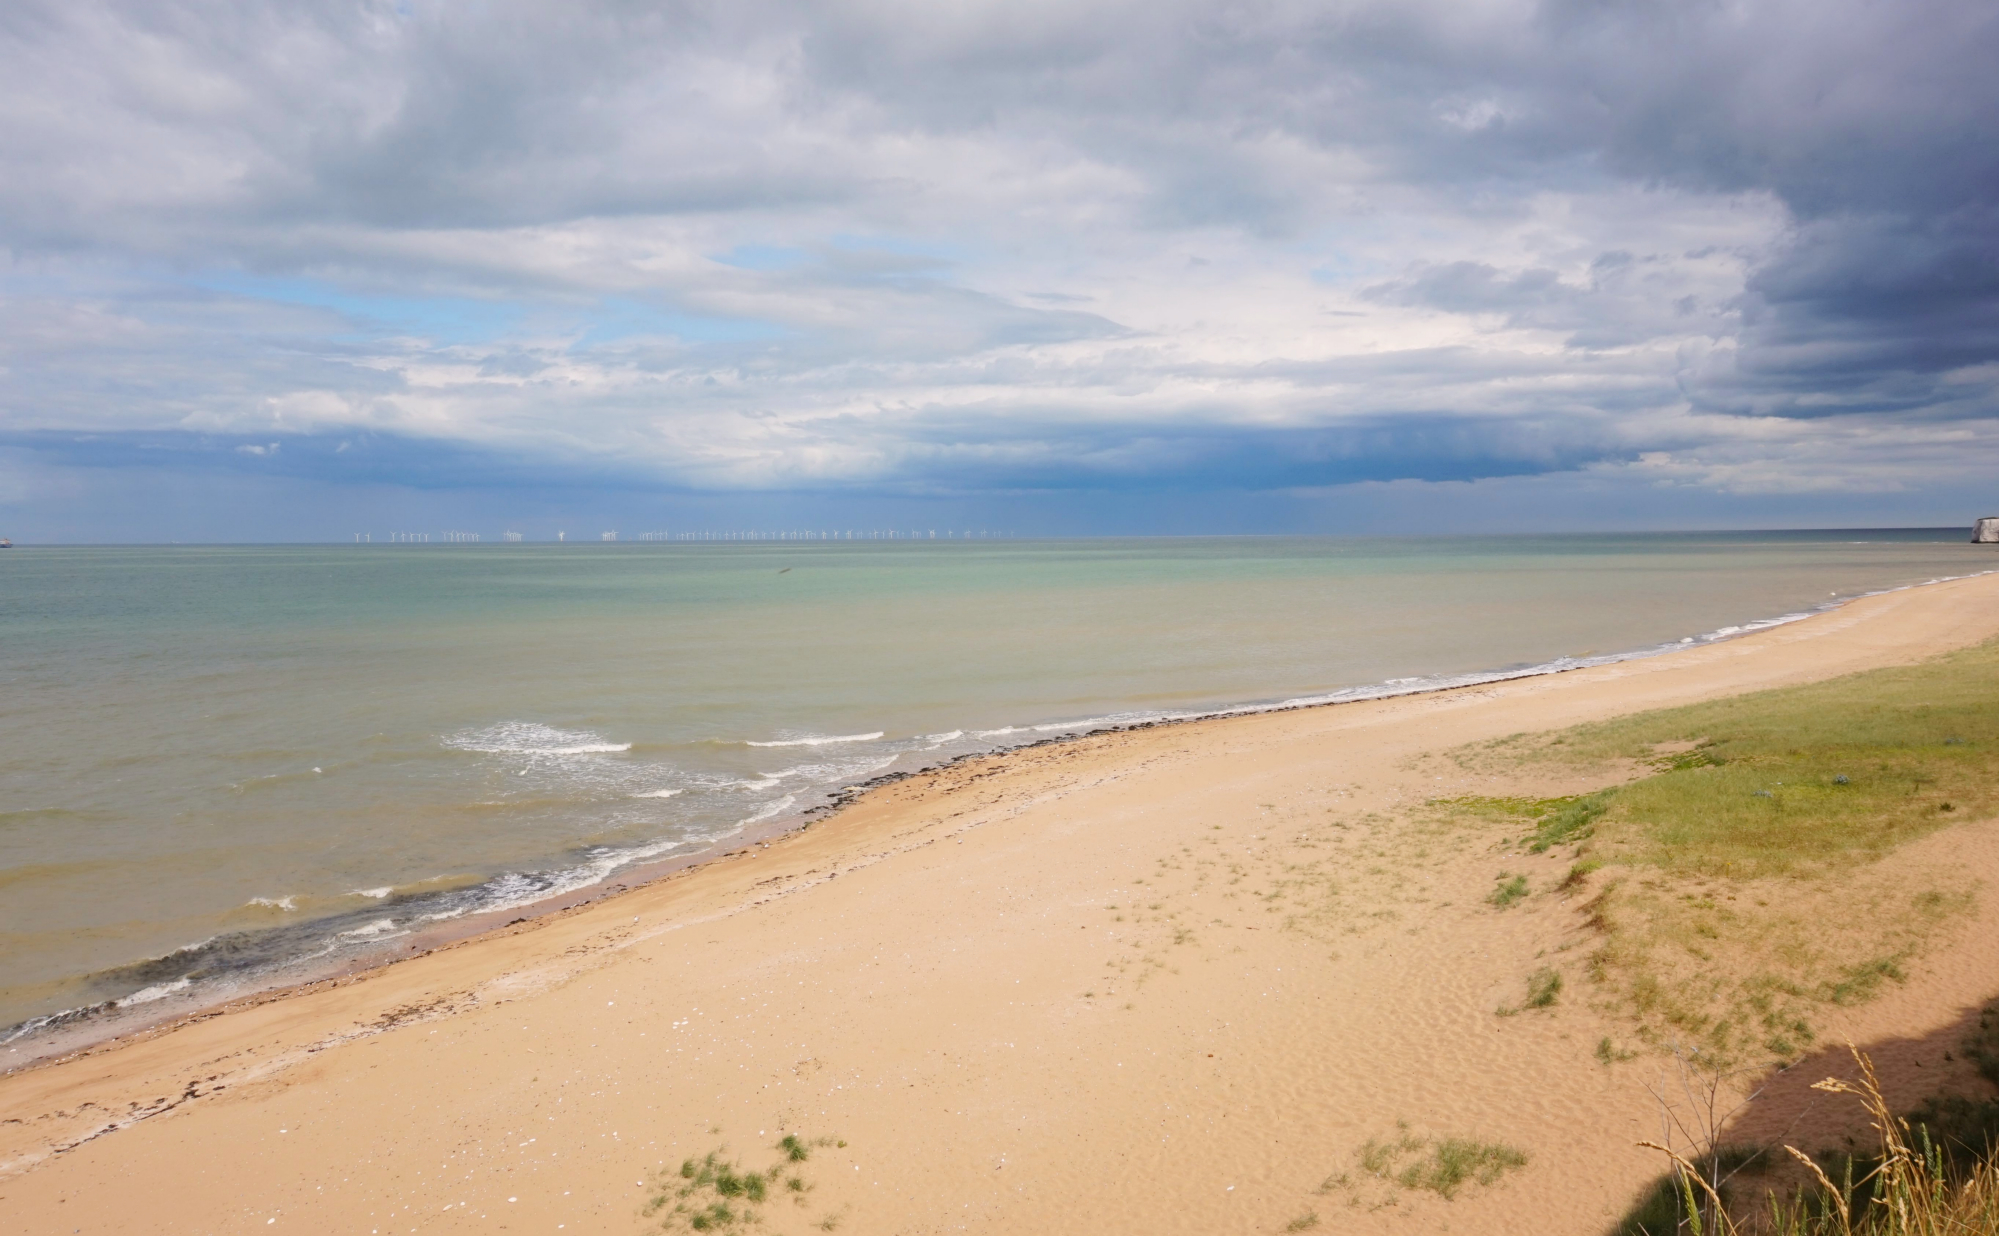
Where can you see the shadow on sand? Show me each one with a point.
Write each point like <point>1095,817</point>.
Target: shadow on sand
<point>1946,1080</point>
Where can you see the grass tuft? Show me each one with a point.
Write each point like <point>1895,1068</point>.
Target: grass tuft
<point>1544,986</point>
<point>1441,1166</point>
<point>1663,1209</point>
<point>1859,984</point>
<point>1556,820</point>
<point>1579,872</point>
<point>716,1193</point>
<point>1573,820</point>
<point>1511,888</point>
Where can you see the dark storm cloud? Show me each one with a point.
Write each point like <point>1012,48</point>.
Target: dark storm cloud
<point>944,457</point>
<point>1197,459</point>
<point>1872,313</point>
<point>453,116</point>
<point>350,458</point>
<point>1871,124</point>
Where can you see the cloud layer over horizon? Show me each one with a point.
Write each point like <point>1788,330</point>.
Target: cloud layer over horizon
<point>1069,266</point>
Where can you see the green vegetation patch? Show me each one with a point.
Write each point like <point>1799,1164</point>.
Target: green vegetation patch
<point>1439,1165</point>
<point>1800,777</point>
<point>1555,821</point>
<point>1733,879</point>
<point>1508,889</point>
<point>1608,1052</point>
<point>1742,970</point>
<point>1544,987</point>
<point>716,1193</point>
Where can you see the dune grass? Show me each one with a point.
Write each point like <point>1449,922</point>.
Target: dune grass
<point>1554,820</point>
<point>1664,1207</point>
<point>1509,889</point>
<point>1912,1184</point>
<point>716,1193</point>
<point>1808,778</point>
<point>1544,987</point>
<point>1439,1165</point>
<point>1732,874</point>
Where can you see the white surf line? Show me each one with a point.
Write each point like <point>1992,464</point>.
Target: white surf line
<point>817,742</point>
<point>491,992</point>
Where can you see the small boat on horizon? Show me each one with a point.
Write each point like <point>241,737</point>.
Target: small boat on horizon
<point>5,543</point>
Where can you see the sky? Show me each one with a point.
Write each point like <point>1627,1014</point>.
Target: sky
<point>299,271</point>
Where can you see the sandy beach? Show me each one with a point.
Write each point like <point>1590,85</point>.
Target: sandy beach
<point>1070,988</point>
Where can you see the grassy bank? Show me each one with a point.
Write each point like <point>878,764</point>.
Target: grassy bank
<point>1732,860</point>
<point>1736,867</point>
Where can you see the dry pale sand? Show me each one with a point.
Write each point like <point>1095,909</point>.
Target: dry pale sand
<point>1159,981</point>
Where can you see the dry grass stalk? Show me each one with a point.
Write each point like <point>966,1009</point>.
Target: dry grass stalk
<point>1911,1192</point>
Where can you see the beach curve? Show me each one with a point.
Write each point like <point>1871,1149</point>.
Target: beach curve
<point>1010,986</point>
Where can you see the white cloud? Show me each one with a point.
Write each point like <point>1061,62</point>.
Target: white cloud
<point>903,245</point>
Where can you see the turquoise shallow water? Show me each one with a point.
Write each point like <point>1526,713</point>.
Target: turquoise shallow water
<point>220,764</point>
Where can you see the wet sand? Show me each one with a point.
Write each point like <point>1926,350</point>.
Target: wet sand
<point>1070,988</point>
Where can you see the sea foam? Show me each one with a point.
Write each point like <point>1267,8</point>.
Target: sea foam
<point>381,926</point>
<point>531,738</point>
<point>158,991</point>
<point>818,740</point>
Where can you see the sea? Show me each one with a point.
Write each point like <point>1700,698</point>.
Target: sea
<point>227,768</point>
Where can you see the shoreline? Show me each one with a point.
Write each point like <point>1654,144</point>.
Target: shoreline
<point>84,1029</point>
<point>1027,990</point>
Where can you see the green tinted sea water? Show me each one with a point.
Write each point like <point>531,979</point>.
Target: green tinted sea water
<point>220,765</point>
